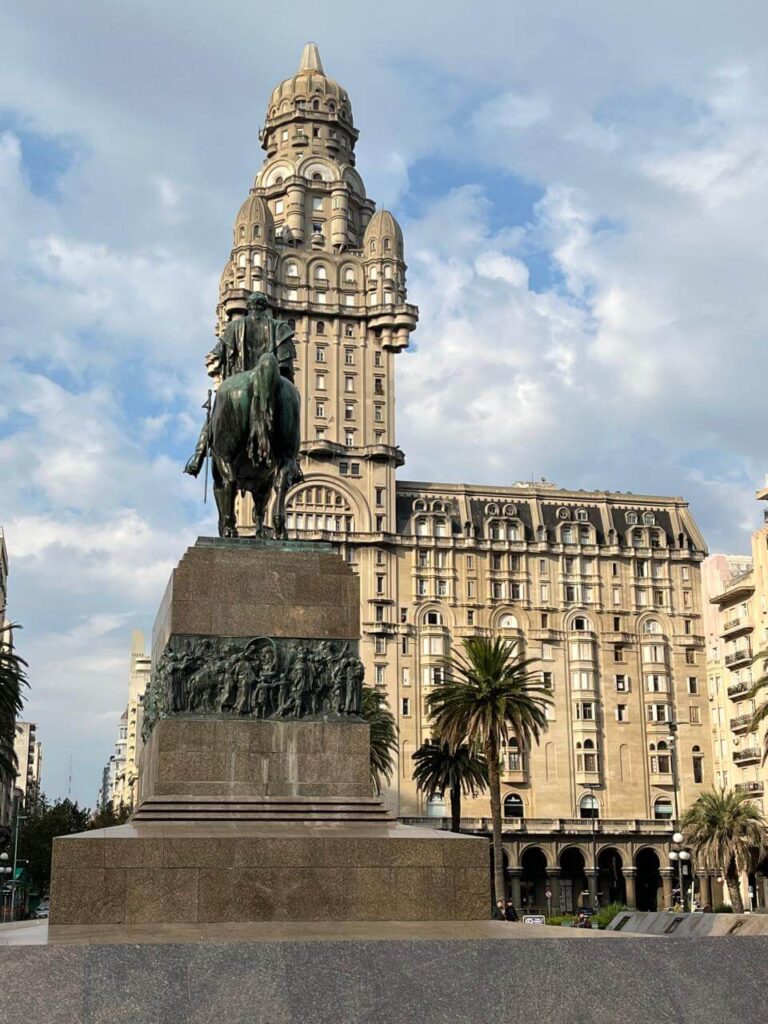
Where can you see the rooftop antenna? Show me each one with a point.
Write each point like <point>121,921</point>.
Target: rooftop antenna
<point>69,779</point>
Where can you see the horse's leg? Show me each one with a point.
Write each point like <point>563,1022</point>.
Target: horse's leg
<point>278,514</point>
<point>224,491</point>
<point>260,495</point>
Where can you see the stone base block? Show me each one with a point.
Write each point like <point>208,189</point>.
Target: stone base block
<point>144,874</point>
<point>229,757</point>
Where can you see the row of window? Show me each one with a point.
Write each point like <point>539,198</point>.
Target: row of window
<point>321,383</point>
<point>350,411</point>
<point>589,806</point>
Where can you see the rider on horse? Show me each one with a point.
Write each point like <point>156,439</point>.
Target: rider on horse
<point>242,345</point>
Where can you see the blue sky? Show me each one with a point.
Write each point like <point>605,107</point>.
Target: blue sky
<point>583,194</point>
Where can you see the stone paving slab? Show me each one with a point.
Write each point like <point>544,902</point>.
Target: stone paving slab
<point>531,980</point>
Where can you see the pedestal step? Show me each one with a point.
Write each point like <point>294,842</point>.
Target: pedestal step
<point>182,808</point>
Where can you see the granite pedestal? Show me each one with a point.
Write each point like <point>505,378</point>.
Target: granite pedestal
<point>251,810</point>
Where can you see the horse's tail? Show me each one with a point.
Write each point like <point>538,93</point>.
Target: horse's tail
<point>264,383</point>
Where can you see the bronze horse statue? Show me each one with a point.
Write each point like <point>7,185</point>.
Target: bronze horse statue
<point>253,433</point>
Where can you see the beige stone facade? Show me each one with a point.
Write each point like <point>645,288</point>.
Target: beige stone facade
<point>737,622</point>
<point>602,587</point>
<point>29,757</point>
<point>120,775</point>
<point>6,787</point>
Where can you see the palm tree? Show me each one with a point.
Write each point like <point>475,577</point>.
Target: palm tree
<point>489,694</point>
<point>727,831</point>
<point>13,679</point>
<point>376,712</point>
<point>761,711</point>
<point>440,766</point>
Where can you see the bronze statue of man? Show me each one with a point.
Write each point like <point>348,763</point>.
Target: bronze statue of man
<point>243,343</point>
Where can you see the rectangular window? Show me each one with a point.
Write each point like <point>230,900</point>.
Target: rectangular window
<point>317,203</point>
<point>545,620</point>
<point>622,684</point>
<point>618,654</point>
<point>570,593</point>
<point>694,714</point>
<point>403,614</point>
<point>279,205</point>
<point>404,645</point>
<point>378,413</point>
<point>655,684</point>
<point>686,572</point>
<point>621,712</point>
<point>421,588</point>
<point>320,381</point>
<point>581,650</point>
<point>379,612</point>
<point>470,561</point>
<point>545,593</point>
<point>320,353</point>
<point>379,495</point>
<point>343,468</point>
<point>497,591</point>
<point>546,652</point>
<point>515,592</point>
<point>320,409</point>
<point>354,469</point>
<point>470,618</point>
<point>495,561</point>
<point>405,707</point>
<point>349,356</point>
<point>687,599</point>
<point>349,412</point>
<point>543,567</point>
<point>581,680</point>
<point>657,712</point>
<point>442,588</point>
<point>349,439</point>
<point>698,769</point>
<point>585,711</point>
<point>406,676</point>
<point>548,680</point>
<point>349,384</point>
<point>617,595</point>
<point>653,653</point>
<point>379,645</point>
<point>377,359</point>
<point>380,584</point>
<point>470,588</point>
<point>690,657</point>
<point>693,684</point>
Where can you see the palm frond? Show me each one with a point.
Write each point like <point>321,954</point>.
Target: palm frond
<point>13,679</point>
<point>726,829</point>
<point>439,767</point>
<point>377,714</point>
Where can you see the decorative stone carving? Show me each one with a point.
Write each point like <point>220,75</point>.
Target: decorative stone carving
<point>262,677</point>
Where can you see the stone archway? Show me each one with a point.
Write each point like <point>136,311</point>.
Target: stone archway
<point>648,882</point>
<point>610,879</point>
<point>533,879</point>
<point>573,880</point>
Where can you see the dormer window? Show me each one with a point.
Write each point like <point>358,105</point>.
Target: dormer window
<point>563,513</point>
<point>649,519</point>
<point>631,518</point>
<point>582,515</point>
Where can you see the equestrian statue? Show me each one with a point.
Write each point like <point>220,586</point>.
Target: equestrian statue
<point>252,433</point>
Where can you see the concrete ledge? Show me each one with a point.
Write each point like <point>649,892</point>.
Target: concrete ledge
<point>686,926</point>
<point>429,981</point>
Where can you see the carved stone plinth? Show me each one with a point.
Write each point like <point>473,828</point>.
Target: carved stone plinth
<point>255,796</point>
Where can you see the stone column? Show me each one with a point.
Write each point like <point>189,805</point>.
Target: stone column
<point>513,885</point>
<point>553,881</point>
<point>630,874</point>
<point>667,877</point>
<point>339,216</point>
<point>760,900</point>
<point>705,888</point>
<point>295,212</point>
<point>592,886</point>
<point>718,888</point>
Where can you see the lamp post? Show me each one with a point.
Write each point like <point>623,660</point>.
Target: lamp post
<point>5,870</point>
<point>679,856</point>
<point>19,819</point>
<point>592,786</point>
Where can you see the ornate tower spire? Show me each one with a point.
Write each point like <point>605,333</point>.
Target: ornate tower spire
<point>310,59</point>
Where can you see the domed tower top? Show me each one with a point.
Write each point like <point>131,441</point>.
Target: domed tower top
<point>383,237</point>
<point>254,224</point>
<point>312,101</point>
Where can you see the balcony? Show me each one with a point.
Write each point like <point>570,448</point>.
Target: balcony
<point>747,756</point>
<point>741,723</point>
<point>736,627</point>
<point>739,690</point>
<point>618,638</point>
<point>547,826</point>
<point>740,657</point>
<point>756,788</point>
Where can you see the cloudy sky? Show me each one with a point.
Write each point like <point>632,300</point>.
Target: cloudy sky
<point>583,193</point>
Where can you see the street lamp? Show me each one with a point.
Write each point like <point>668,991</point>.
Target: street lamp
<point>5,869</point>
<point>679,856</point>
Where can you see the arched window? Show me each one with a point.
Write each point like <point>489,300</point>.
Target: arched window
<point>321,274</point>
<point>434,619</point>
<point>581,515</point>
<point>651,626</point>
<point>662,809</point>
<point>315,104</point>
<point>631,518</point>
<point>349,275</point>
<point>508,621</point>
<point>513,532</point>
<point>320,327</point>
<point>257,230</point>
<point>292,269</point>
<point>566,535</point>
<point>373,245</point>
<point>315,509</point>
<point>513,806</point>
<point>242,232</point>
<point>588,804</point>
<point>649,519</point>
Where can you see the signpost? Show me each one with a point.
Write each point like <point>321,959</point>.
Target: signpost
<point>534,919</point>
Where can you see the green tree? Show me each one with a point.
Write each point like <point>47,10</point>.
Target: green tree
<point>109,816</point>
<point>440,767</point>
<point>13,679</point>
<point>488,695</point>
<point>761,711</point>
<point>44,821</point>
<point>727,832</point>
<point>376,712</point>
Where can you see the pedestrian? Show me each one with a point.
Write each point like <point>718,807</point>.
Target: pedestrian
<point>498,911</point>
<point>510,914</point>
